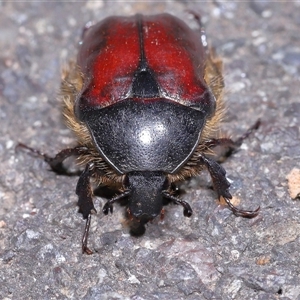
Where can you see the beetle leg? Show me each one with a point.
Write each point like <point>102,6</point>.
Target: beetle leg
<point>202,30</point>
<point>108,206</point>
<point>221,186</point>
<point>85,202</point>
<point>187,210</point>
<point>85,193</point>
<point>56,162</point>
<point>231,144</point>
<point>85,248</point>
<point>254,127</point>
<point>226,142</point>
<point>86,27</point>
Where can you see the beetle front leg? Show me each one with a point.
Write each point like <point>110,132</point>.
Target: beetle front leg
<point>221,186</point>
<point>85,202</point>
<point>56,162</point>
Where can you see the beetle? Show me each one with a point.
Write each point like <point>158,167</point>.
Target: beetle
<point>145,101</point>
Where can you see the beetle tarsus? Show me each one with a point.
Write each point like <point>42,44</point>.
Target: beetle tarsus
<point>85,248</point>
<point>30,150</point>
<point>238,142</point>
<point>85,202</point>
<point>240,212</point>
<point>198,19</point>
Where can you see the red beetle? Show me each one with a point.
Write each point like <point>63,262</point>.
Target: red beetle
<point>144,99</point>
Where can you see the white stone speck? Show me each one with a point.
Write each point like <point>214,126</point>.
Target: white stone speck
<point>32,234</point>
<point>133,280</point>
<point>9,144</point>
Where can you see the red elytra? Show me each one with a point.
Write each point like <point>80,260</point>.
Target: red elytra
<point>173,52</point>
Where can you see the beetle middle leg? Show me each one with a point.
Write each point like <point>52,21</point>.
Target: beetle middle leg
<point>221,186</point>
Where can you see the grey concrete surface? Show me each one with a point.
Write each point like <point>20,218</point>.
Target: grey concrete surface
<point>213,254</point>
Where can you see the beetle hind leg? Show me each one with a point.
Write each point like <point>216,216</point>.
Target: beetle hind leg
<point>230,146</point>
<point>238,142</point>
<point>56,162</point>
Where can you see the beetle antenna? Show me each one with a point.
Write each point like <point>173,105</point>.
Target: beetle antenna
<point>108,206</point>
<point>187,210</point>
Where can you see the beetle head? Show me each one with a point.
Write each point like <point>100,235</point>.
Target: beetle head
<point>146,198</point>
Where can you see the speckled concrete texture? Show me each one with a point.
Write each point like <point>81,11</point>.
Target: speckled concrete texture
<point>213,254</point>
